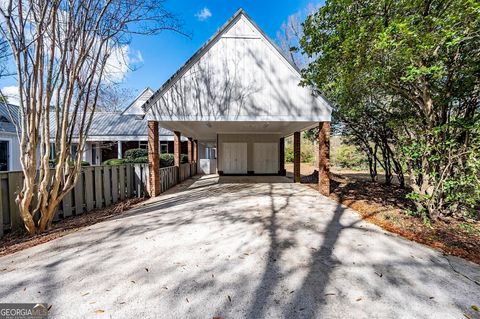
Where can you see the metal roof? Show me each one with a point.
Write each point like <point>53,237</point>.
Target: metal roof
<point>103,123</point>
<point>8,112</point>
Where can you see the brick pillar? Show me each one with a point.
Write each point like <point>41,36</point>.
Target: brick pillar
<point>195,151</point>
<point>324,158</point>
<point>153,159</point>
<point>177,148</point>
<point>296,157</point>
<point>190,149</point>
<point>282,171</point>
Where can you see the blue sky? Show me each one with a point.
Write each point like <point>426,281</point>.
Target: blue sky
<point>156,58</point>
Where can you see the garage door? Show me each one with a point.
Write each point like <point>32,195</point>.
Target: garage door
<point>265,158</point>
<point>234,158</point>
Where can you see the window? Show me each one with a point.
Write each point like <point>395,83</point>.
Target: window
<point>4,155</point>
<point>163,147</point>
<point>52,152</point>
<point>74,149</point>
<point>143,144</point>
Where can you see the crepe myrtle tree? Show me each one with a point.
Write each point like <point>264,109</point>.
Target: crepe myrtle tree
<point>62,53</point>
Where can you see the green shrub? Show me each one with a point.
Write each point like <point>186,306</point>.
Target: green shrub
<point>136,153</point>
<point>137,160</point>
<point>183,158</point>
<point>114,161</point>
<point>289,153</point>
<point>72,163</point>
<point>166,160</point>
<point>347,156</point>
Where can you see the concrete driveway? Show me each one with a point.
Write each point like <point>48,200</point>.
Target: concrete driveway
<point>235,248</point>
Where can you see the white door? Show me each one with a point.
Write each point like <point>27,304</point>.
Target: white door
<point>234,158</point>
<point>265,158</point>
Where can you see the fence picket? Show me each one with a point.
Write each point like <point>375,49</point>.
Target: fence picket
<point>78,193</point>
<point>114,178</point>
<point>98,187</point>
<point>89,189</point>
<point>107,190</point>
<point>14,184</point>
<point>121,170</point>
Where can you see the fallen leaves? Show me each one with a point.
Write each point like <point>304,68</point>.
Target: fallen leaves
<point>99,311</point>
<point>229,298</point>
<point>475,308</point>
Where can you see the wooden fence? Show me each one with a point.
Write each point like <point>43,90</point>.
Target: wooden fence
<point>97,187</point>
<point>169,176</point>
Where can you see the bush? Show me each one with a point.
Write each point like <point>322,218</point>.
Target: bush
<point>166,160</point>
<point>183,159</point>
<point>114,161</point>
<point>72,163</point>
<point>136,153</point>
<point>289,154</point>
<point>137,160</point>
<point>347,156</point>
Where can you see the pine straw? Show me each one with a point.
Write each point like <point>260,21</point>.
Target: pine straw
<point>20,240</point>
<point>387,207</point>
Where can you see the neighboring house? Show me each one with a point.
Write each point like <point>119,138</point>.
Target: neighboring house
<point>9,144</point>
<point>238,94</point>
<point>113,133</point>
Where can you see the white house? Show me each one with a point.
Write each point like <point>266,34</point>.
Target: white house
<point>239,94</point>
<point>9,144</point>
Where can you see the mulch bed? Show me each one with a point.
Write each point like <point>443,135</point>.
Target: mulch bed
<point>19,240</point>
<point>387,207</point>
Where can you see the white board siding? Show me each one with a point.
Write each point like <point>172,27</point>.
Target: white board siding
<point>240,76</point>
<point>265,158</point>
<point>234,157</point>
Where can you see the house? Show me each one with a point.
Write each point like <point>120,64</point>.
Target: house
<point>111,134</point>
<point>240,96</point>
<point>9,143</point>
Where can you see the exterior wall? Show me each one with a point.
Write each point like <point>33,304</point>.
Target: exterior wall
<point>239,76</point>
<point>250,139</point>
<point>13,149</point>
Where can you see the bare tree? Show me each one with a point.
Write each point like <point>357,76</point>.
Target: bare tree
<point>291,31</point>
<point>61,50</point>
<point>114,98</point>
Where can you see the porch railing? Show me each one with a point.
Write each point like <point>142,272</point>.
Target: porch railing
<point>97,187</point>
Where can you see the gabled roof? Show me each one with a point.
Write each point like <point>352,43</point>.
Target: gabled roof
<point>136,106</point>
<point>8,116</point>
<point>204,48</point>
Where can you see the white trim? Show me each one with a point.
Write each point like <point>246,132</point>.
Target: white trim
<point>243,118</point>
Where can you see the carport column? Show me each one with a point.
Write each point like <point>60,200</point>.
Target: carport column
<point>153,159</point>
<point>281,170</point>
<point>324,158</point>
<point>195,155</point>
<point>177,149</point>
<point>296,157</point>
<point>190,152</point>
<point>195,151</point>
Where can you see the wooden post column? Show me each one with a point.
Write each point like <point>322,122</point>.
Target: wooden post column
<point>153,159</point>
<point>177,150</point>
<point>190,153</point>
<point>195,151</point>
<point>282,171</point>
<point>296,157</point>
<point>190,149</point>
<point>324,158</point>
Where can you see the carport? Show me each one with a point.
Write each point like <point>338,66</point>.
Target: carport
<point>236,99</point>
